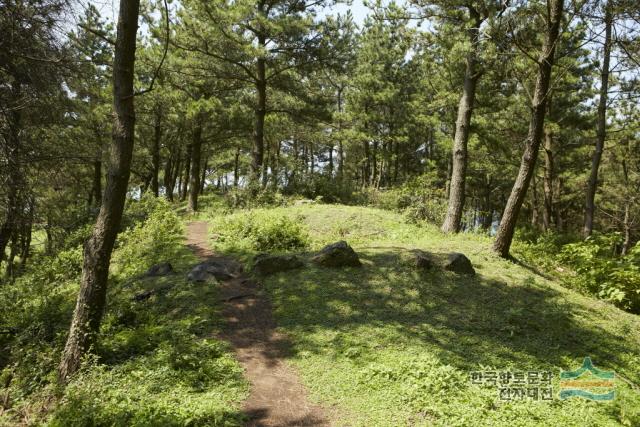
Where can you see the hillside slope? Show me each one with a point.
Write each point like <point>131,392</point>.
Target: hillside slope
<point>390,345</point>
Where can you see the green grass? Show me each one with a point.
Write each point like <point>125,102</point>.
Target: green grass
<point>387,345</point>
<point>157,362</point>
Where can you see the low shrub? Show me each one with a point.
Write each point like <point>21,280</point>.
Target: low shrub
<point>599,271</point>
<point>261,230</point>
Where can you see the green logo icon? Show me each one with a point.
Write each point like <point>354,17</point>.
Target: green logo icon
<point>587,382</point>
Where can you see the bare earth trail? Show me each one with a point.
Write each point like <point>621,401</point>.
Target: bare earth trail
<point>277,397</point>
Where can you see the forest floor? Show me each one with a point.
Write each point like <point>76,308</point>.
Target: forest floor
<point>390,345</point>
<point>277,397</point>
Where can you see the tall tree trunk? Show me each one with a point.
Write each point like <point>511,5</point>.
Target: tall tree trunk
<point>92,297</point>
<point>465,110</point>
<point>366,167</point>
<point>374,163</point>
<point>236,168</point>
<point>187,170</point>
<point>169,176</point>
<point>203,175</point>
<point>27,230</point>
<point>592,183</point>
<point>96,190</point>
<point>487,209</point>
<point>194,178</point>
<point>260,113</point>
<point>547,213</point>
<point>626,225</point>
<point>534,201</point>
<point>14,171</point>
<point>155,151</point>
<point>536,124</point>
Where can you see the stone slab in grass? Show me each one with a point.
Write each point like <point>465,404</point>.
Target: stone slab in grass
<point>266,264</point>
<point>454,261</point>
<point>220,269</point>
<point>162,269</point>
<point>338,254</point>
<point>459,263</point>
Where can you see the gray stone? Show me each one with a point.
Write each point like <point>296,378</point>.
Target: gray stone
<point>423,260</point>
<point>162,269</point>
<point>218,269</point>
<point>458,263</point>
<point>338,254</point>
<point>265,264</point>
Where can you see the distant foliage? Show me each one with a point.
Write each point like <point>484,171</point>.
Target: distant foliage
<point>261,230</point>
<point>600,272</point>
<point>420,199</point>
<point>248,198</point>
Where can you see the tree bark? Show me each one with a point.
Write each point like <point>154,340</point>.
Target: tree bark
<point>257,152</point>
<point>534,201</point>
<point>236,168</point>
<point>203,175</point>
<point>592,183</point>
<point>509,219</point>
<point>97,250</point>
<point>465,110</point>
<point>155,151</point>
<point>185,178</point>
<point>14,175</point>
<point>194,178</point>
<point>547,213</point>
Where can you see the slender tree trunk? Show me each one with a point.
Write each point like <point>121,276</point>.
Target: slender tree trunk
<point>96,191</point>
<point>626,224</point>
<point>330,160</point>
<point>155,151</point>
<point>547,213</point>
<point>187,170</point>
<point>592,183</point>
<point>236,168</point>
<point>538,110</point>
<point>97,250</point>
<point>366,166</point>
<point>169,178</point>
<point>203,176</point>
<point>265,165</point>
<point>194,178</point>
<point>14,172</point>
<point>534,201</point>
<point>260,113</point>
<point>487,214</point>
<point>463,123</point>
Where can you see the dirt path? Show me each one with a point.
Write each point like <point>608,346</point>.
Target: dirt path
<point>277,397</point>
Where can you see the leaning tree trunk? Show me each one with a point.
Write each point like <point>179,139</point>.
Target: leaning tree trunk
<point>536,125</point>
<point>592,183</point>
<point>465,109</point>
<point>194,178</point>
<point>97,250</point>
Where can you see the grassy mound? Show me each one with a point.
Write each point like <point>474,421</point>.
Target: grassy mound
<point>388,345</point>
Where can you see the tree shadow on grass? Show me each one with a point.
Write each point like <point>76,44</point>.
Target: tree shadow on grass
<point>467,321</point>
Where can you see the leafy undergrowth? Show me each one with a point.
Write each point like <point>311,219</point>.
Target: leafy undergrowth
<point>156,364</point>
<point>390,346</point>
